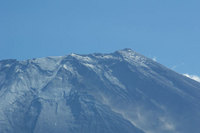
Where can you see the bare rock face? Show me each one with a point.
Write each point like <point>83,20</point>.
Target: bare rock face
<point>121,92</point>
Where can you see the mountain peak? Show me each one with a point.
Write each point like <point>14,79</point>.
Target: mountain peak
<point>121,92</point>
<point>126,50</point>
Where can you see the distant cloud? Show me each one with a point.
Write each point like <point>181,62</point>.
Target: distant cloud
<point>174,67</point>
<point>177,65</point>
<point>194,77</point>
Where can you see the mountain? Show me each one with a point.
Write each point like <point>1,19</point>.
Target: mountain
<point>121,92</point>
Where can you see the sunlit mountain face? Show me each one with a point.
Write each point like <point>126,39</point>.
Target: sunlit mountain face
<point>121,92</point>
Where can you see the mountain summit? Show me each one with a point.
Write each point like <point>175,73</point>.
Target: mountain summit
<point>121,92</point>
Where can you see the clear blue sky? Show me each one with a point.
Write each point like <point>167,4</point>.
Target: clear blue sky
<point>166,29</point>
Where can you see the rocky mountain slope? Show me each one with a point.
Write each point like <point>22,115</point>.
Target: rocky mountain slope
<point>121,92</point>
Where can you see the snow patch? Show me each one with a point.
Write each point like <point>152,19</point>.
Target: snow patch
<point>18,70</point>
<point>89,65</point>
<point>7,65</point>
<point>154,59</point>
<point>82,58</point>
<point>114,80</point>
<point>106,57</point>
<point>48,63</point>
<point>68,67</point>
<point>134,58</point>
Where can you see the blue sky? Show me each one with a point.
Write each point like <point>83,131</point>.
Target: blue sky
<point>168,30</point>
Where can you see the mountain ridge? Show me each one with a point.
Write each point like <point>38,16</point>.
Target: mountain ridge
<point>106,93</point>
